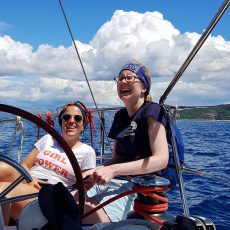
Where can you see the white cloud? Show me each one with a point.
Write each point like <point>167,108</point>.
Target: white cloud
<point>54,73</point>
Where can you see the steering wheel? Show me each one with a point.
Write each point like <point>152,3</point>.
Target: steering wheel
<point>60,141</point>
<point>24,175</point>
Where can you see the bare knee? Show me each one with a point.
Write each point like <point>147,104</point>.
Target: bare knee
<point>98,216</point>
<point>20,190</point>
<point>8,173</point>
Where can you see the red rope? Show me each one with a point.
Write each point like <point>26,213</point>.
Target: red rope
<point>154,208</point>
<point>91,119</point>
<point>91,122</point>
<point>152,218</point>
<point>49,119</point>
<point>146,210</point>
<point>38,134</point>
<point>139,207</point>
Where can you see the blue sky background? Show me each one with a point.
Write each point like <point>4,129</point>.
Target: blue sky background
<point>40,67</point>
<point>38,22</point>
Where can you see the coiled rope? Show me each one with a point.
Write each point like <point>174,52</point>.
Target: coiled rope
<point>140,208</point>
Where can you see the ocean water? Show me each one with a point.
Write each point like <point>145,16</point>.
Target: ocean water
<point>207,145</point>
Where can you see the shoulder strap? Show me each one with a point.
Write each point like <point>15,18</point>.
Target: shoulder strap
<point>176,151</point>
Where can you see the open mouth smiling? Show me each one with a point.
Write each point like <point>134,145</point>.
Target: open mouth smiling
<point>70,127</point>
<point>125,90</point>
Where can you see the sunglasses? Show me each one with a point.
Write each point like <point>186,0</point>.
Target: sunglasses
<point>77,118</point>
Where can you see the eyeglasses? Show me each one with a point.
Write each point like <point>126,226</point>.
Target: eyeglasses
<point>77,118</point>
<point>128,78</point>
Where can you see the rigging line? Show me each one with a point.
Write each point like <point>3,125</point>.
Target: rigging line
<point>84,72</point>
<point>205,174</point>
<point>194,51</point>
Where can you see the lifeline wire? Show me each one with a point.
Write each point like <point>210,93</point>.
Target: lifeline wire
<point>83,69</point>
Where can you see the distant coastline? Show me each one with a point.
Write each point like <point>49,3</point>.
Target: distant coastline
<point>216,112</point>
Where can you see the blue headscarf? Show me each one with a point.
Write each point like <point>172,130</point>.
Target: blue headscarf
<point>141,71</point>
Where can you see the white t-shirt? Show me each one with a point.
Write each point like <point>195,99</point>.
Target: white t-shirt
<point>53,164</point>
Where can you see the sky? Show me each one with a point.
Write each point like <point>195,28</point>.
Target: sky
<point>40,68</point>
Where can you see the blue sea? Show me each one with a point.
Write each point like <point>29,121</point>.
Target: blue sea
<point>207,145</point>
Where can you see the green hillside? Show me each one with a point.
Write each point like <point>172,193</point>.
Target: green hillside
<point>218,112</point>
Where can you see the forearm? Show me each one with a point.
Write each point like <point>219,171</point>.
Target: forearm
<point>24,165</point>
<point>138,167</point>
<point>103,174</point>
<point>29,160</point>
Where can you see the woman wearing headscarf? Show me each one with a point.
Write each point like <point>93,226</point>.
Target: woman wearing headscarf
<point>47,163</point>
<point>140,145</point>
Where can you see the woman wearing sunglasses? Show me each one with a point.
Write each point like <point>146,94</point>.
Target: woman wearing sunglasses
<point>47,160</point>
<point>47,163</point>
<point>140,145</point>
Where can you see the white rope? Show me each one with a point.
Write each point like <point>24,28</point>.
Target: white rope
<point>19,127</point>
